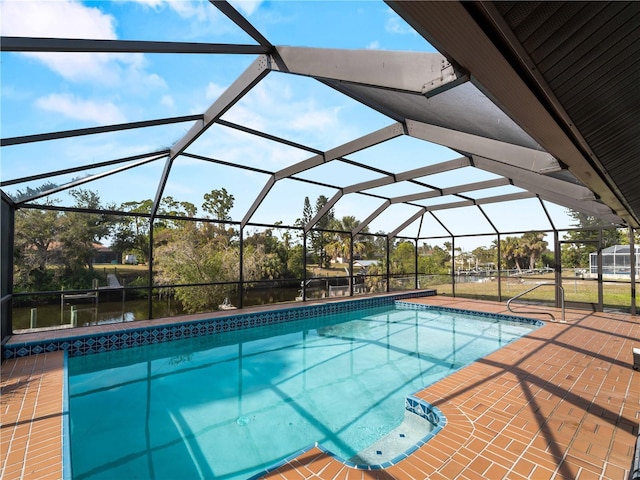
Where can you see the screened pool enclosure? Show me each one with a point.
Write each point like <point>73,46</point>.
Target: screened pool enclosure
<point>616,260</point>
<point>217,165</point>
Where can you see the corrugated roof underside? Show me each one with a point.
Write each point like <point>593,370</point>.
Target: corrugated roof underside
<point>589,55</point>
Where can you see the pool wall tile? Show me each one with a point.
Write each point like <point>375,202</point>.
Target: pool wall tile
<point>501,316</point>
<point>87,344</point>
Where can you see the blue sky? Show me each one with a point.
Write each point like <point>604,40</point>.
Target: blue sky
<point>46,92</point>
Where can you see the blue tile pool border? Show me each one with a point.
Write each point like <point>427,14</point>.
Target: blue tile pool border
<point>86,344</point>
<point>500,316</point>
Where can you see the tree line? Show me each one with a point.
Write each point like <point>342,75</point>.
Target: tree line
<point>55,247</point>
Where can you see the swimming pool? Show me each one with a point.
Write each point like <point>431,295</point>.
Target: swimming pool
<point>232,404</point>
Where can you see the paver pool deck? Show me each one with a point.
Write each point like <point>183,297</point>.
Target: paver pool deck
<point>561,403</point>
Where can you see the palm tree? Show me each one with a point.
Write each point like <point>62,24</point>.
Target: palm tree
<point>340,246</point>
<point>533,245</point>
<point>511,250</point>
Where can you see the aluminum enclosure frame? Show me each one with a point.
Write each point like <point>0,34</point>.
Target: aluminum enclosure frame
<point>540,157</point>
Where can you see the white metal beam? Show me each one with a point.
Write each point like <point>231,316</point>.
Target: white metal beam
<point>91,178</point>
<point>377,182</point>
<point>256,203</point>
<point>415,72</point>
<point>370,218</point>
<point>327,206</point>
<point>409,175</point>
<point>469,187</point>
<point>441,167</point>
<point>537,161</point>
<point>379,136</point>
<point>517,175</point>
<point>408,222</point>
<point>258,69</point>
<point>245,82</point>
<point>509,197</point>
<point>560,192</point>
<point>446,206</point>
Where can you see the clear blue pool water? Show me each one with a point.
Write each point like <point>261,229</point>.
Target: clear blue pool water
<point>230,405</point>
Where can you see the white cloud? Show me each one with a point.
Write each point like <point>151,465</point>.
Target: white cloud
<point>167,101</point>
<point>201,11</point>
<point>213,91</point>
<point>71,19</point>
<point>375,45</point>
<point>63,18</point>
<point>397,26</point>
<point>274,108</point>
<point>313,118</point>
<point>246,6</point>
<point>101,113</point>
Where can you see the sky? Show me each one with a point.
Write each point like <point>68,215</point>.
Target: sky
<point>49,92</point>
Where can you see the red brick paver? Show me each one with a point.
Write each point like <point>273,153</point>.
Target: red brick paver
<point>32,407</point>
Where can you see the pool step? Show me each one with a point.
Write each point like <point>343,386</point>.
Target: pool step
<point>393,445</point>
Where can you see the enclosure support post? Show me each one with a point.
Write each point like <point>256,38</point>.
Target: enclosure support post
<point>557,268</point>
<point>241,277</point>
<point>453,266</point>
<point>632,271</point>
<point>351,279</point>
<point>499,271</point>
<point>388,265</point>
<point>150,282</point>
<point>415,265</point>
<point>600,284</point>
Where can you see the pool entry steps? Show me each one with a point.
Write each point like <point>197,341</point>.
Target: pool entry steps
<point>421,422</point>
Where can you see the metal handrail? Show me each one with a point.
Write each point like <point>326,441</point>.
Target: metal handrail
<point>538,312</point>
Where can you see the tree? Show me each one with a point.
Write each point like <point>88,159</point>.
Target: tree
<point>511,252</point>
<point>35,235</point>
<point>80,231</point>
<point>340,242</point>
<point>191,252</point>
<point>432,260</point>
<point>130,233</point>
<point>484,256</point>
<point>188,258</point>
<point>31,192</point>
<point>582,242</point>
<point>320,237</point>
<point>589,226</point>
<point>307,214</point>
<point>403,257</point>
<point>533,245</point>
<point>218,203</point>
<point>54,249</point>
